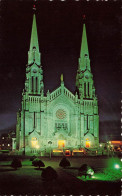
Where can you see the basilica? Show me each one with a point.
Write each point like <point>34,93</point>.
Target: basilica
<point>59,121</point>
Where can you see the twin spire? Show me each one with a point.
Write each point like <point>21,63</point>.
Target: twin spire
<point>84,46</point>
<point>34,55</point>
<point>84,61</point>
<point>34,35</point>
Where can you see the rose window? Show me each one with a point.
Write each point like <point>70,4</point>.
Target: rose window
<point>60,114</point>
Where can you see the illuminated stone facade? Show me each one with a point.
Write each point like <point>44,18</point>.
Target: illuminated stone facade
<point>59,120</point>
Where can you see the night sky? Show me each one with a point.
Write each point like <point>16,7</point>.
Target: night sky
<point>59,31</point>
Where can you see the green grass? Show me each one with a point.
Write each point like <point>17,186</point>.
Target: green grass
<point>27,180</point>
<point>8,163</point>
<point>110,177</point>
<point>5,163</point>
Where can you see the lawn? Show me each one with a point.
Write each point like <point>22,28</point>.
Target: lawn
<point>27,180</point>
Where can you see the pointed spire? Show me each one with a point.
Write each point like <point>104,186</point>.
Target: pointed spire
<point>84,61</point>
<point>33,54</point>
<point>34,36</point>
<point>84,45</point>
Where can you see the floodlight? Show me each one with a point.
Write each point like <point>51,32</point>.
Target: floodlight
<point>37,146</point>
<point>117,166</point>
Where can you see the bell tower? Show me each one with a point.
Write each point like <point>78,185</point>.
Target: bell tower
<point>29,124</point>
<point>86,92</point>
<point>34,72</point>
<point>84,78</point>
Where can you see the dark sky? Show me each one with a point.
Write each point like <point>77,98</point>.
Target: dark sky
<point>59,31</point>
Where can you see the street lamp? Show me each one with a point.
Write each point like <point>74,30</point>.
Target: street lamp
<point>50,147</point>
<point>101,147</point>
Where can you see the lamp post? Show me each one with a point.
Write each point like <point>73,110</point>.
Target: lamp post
<point>101,147</point>
<point>50,147</point>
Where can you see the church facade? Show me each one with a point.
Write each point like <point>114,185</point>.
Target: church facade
<point>60,120</point>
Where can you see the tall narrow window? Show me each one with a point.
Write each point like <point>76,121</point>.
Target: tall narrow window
<point>87,121</point>
<point>32,84</point>
<point>36,84</point>
<point>88,89</point>
<point>34,119</point>
<point>85,89</point>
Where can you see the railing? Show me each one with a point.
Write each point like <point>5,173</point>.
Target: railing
<point>88,103</point>
<point>69,94</point>
<point>56,93</point>
<point>34,99</point>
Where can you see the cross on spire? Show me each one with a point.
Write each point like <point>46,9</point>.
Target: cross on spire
<point>84,16</point>
<point>34,7</point>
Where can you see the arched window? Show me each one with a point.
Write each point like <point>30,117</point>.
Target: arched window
<point>85,89</point>
<point>36,84</point>
<point>88,89</point>
<point>32,84</point>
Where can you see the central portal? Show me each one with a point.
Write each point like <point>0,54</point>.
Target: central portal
<point>87,144</point>
<point>61,143</point>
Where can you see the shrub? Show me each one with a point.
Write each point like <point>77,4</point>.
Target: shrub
<point>16,163</point>
<point>64,163</point>
<point>49,174</point>
<point>86,170</point>
<point>32,158</point>
<point>38,163</point>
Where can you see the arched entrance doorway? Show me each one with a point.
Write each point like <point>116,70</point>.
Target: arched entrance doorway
<point>88,143</point>
<point>61,143</point>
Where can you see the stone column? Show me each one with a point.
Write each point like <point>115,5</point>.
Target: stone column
<point>13,143</point>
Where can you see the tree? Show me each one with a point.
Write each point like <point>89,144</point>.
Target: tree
<point>38,163</point>
<point>49,174</point>
<point>64,163</point>
<point>16,163</point>
<point>86,170</point>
